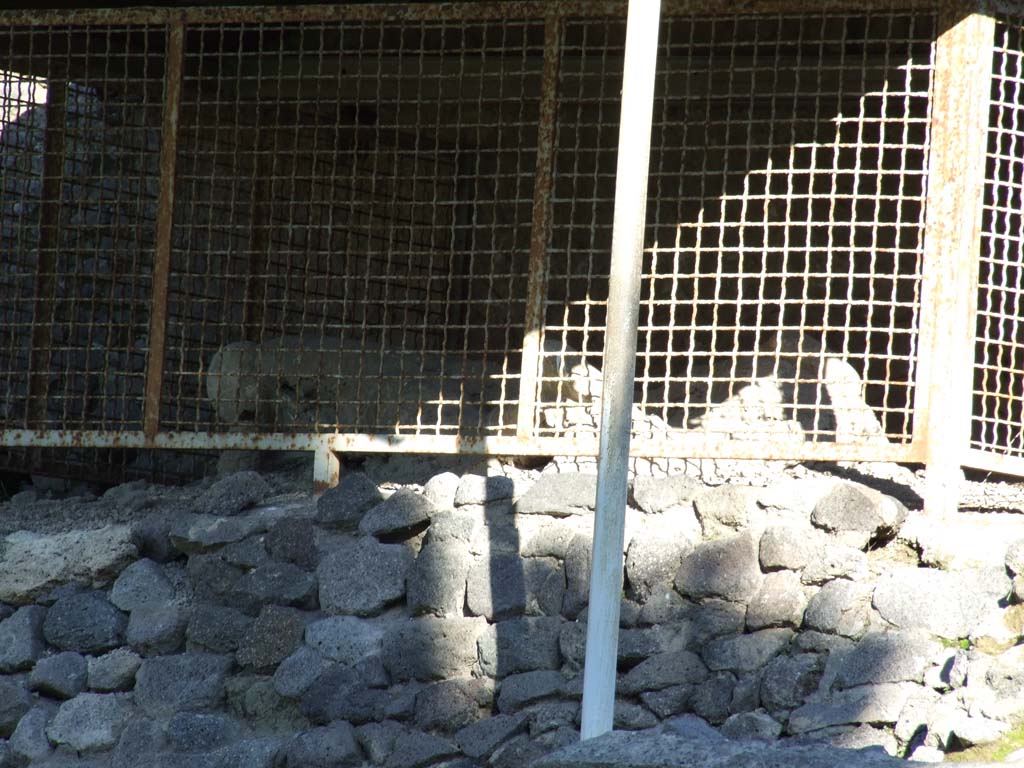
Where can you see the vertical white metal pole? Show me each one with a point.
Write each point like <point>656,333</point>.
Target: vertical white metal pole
<point>619,367</point>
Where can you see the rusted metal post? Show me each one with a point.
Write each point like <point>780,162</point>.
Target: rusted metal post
<point>540,232</point>
<point>956,180</point>
<point>326,467</point>
<point>619,368</point>
<point>50,206</point>
<point>164,226</point>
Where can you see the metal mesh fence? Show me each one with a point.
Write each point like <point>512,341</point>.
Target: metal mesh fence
<point>77,174</point>
<point>783,266</point>
<point>353,204</point>
<point>999,365</point>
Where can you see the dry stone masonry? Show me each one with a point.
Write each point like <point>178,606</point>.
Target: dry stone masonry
<point>441,621</point>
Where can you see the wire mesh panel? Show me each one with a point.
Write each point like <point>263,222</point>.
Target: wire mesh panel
<point>352,217</point>
<point>77,178</point>
<point>999,367</point>
<point>785,222</point>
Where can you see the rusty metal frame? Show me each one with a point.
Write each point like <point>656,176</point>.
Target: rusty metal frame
<point>953,205</point>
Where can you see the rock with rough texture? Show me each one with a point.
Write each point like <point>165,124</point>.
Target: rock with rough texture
<point>414,749</point>
<point>505,585</point>
<point>436,583</point>
<point>788,680</point>
<point>15,701</point>
<point>999,630</point>
<point>725,568</point>
<point>343,505</point>
<point>346,640</point>
<point>298,672</point>
<point>182,683</point>
<point>216,628</point>
<point>429,648</point>
<point>270,639</point>
<point>664,670</point>
<point>518,691</point>
<point>293,540</point>
<point>157,628</point>
<point>114,671</point>
<point>840,607</point>
<point>836,561</point>
<point>232,494</point>
<point>142,582</point>
<point>402,515</point>
<point>758,726</point>
<point>332,746</point>
<point>746,653</point>
<point>655,495</point>
<point>85,622</point>
<point>362,577</point>
<point>481,489</point>
<point>712,699</point>
<point>789,547</point>
<point>654,555</point>
<point>441,490</point>
<point>90,722</point>
<point>276,583</point>
<point>668,701</point>
<point>886,657</point>
<point>857,514</point>
<point>29,740</point>
<point>725,510</point>
<point>21,638</point>
<point>577,575</point>
<point>449,705</point>
<point>202,731</point>
<point>780,602</point>
<point>479,739</point>
<point>61,676</point>
<point>863,704</point>
<point>32,564</point>
<point>560,495</point>
<point>944,604</point>
<point>520,645</point>
<point>1014,557</point>
<point>194,534</point>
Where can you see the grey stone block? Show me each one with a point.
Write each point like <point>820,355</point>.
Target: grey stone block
<point>789,680</point>
<point>726,568</point>
<point>429,648</point>
<point>449,705</point>
<point>298,672</point>
<point>942,603</point>
<point>837,561</point>
<point>653,559</point>
<point>756,726</point>
<point>725,510</point>
<point>887,657</point>
<point>577,575</point>
<point>628,716</point>
<point>232,494</point>
<point>864,704</point>
<point>275,634</point>
<point>293,540</point>
<point>185,682</point>
<point>142,582</point>
<point>478,489</point>
<point>858,514</point>
<point>277,583</point>
<point>505,585</point>
<point>441,490</point>
<point>712,698</point>
<point>559,495</point>
<point>202,731</point>
<point>664,670</point>
<point>15,701</point>
<point>85,622</point>
<point>668,701</point>
<point>518,691</point>
<point>157,628</point>
<point>141,739</point>
<point>414,749</point>
<point>332,746</point>
<point>478,740</point>
<point>780,602</point>
<point>789,547</point>
<point>90,722</point>
<point>520,645</point>
<point>746,653</point>
<point>378,739</point>
<point>61,676</point>
<point>345,639</point>
<point>840,607</point>
<point>402,515</point>
<point>343,505</point>
<point>436,583</point>
<point>692,728</point>
<point>250,552</point>
<point>216,628</point>
<point>361,578</point>
<point>655,495</point>
<point>29,741</point>
<point>21,638</point>
<point>213,580</point>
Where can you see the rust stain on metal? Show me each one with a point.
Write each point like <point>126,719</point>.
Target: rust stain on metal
<point>540,231</point>
<point>164,225</point>
<point>49,244</point>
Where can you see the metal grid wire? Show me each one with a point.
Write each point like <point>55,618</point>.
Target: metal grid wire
<point>999,362</point>
<point>785,223</point>
<point>77,190</point>
<point>352,211</point>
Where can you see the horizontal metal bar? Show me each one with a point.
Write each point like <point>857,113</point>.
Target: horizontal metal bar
<point>994,462</point>
<point>432,11</point>
<point>679,445</point>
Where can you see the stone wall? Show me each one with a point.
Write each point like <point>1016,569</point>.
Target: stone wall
<point>442,622</point>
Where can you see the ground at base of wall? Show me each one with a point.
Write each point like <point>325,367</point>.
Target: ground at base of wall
<point>432,612</point>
